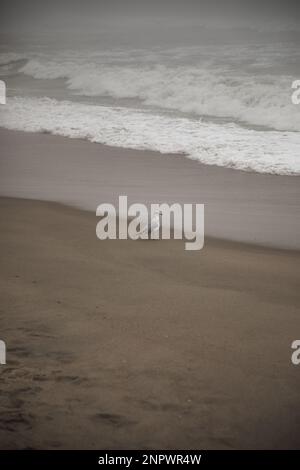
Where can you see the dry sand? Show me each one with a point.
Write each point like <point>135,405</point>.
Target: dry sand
<point>123,344</point>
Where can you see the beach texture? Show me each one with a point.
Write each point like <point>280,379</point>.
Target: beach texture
<point>141,344</point>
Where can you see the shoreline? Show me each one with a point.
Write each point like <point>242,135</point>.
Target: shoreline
<point>240,206</point>
<point>123,344</point>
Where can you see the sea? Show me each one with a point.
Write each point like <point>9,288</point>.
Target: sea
<point>221,99</point>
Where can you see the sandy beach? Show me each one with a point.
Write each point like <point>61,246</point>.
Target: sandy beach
<point>178,121</point>
<point>240,206</point>
<point>141,344</point>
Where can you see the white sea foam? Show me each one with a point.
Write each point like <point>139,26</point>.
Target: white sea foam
<point>208,89</point>
<point>226,145</point>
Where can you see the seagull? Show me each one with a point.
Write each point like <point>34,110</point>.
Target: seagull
<point>152,228</point>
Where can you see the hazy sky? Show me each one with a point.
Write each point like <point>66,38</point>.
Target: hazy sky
<point>56,14</point>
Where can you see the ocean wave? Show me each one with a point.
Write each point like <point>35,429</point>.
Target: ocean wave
<point>208,90</point>
<point>226,145</point>
<point>7,58</point>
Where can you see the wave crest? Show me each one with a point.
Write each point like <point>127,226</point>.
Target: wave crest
<point>226,145</point>
<point>255,99</point>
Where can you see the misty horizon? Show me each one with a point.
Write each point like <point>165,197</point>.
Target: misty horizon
<point>71,16</point>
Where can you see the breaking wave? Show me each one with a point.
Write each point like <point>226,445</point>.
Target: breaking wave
<point>227,145</point>
<point>257,99</point>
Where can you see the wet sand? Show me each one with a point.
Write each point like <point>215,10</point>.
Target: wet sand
<point>240,206</point>
<point>141,344</point>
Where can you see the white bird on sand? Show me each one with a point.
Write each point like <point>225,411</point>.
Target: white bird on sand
<point>151,228</point>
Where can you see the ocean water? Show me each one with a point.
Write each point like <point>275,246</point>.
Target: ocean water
<point>226,104</point>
